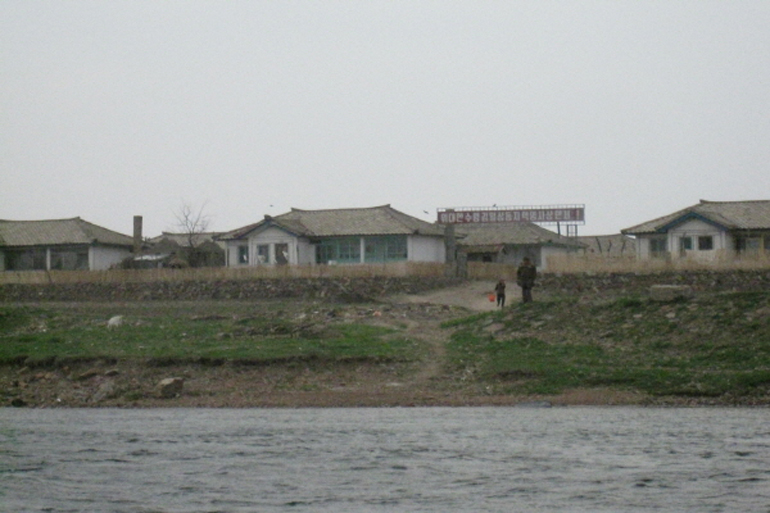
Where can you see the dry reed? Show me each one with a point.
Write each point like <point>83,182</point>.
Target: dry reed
<point>400,269</point>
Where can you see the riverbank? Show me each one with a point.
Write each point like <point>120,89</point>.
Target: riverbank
<point>449,347</point>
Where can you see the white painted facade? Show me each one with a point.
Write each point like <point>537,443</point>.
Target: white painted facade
<point>265,248</point>
<point>693,239</point>
<point>425,249</point>
<point>104,257</point>
<point>100,258</point>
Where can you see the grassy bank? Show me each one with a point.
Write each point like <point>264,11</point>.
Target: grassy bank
<point>712,349</point>
<point>715,346</point>
<point>188,332</point>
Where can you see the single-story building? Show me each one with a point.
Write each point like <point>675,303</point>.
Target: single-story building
<point>338,236</point>
<point>705,231</point>
<point>509,243</point>
<point>196,250</point>
<point>60,244</point>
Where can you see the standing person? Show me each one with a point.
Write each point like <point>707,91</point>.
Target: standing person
<point>525,278</point>
<point>500,291</point>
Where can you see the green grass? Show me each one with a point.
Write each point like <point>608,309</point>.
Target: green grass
<point>712,346</point>
<point>715,346</point>
<point>179,334</point>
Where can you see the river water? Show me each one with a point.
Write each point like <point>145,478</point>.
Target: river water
<point>581,459</point>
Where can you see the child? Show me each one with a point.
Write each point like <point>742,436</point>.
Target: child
<point>500,291</point>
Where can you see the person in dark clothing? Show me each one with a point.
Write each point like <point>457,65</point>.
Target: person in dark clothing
<point>500,291</point>
<point>525,278</point>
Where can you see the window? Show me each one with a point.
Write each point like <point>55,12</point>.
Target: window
<point>25,260</point>
<point>69,260</point>
<point>705,242</point>
<point>685,243</point>
<point>750,245</point>
<point>263,253</point>
<point>281,254</point>
<point>324,254</point>
<point>658,247</point>
<point>343,250</point>
<point>349,250</point>
<point>243,254</point>
<point>385,249</point>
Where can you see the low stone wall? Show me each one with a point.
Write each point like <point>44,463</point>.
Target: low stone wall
<point>364,289</point>
<point>639,284</point>
<point>330,289</point>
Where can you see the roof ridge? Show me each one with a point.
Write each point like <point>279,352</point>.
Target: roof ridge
<point>41,220</point>
<point>711,202</point>
<point>294,209</point>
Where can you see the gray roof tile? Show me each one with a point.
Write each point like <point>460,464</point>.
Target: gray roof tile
<point>382,220</point>
<point>58,232</point>
<point>510,233</point>
<point>732,215</point>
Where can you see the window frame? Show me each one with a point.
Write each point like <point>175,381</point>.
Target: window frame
<point>705,242</point>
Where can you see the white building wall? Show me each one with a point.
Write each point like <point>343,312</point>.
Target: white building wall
<point>101,258</point>
<point>302,252</point>
<point>272,236</point>
<point>548,251</point>
<point>425,249</point>
<point>299,250</point>
<point>695,229</point>
<point>305,252</point>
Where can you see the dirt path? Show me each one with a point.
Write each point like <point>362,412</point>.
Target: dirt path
<point>474,296</point>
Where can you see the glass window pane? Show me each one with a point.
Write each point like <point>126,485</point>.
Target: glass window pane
<point>705,242</point>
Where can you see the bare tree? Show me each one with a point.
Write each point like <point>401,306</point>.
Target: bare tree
<point>192,222</point>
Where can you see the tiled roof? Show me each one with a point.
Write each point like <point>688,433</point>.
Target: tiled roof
<point>183,239</point>
<point>58,232</point>
<point>382,220</point>
<point>511,233</point>
<point>732,215</point>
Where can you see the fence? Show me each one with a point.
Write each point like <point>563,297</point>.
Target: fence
<point>390,270</point>
<point>571,264</point>
<point>574,263</point>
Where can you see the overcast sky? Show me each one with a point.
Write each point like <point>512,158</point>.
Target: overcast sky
<point>110,109</point>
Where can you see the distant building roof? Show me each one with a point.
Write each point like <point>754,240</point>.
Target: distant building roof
<point>58,232</point>
<point>382,220</point>
<point>494,234</point>
<point>183,239</point>
<point>730,215</point>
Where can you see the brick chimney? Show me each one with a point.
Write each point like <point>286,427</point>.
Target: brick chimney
<point>137,234</point>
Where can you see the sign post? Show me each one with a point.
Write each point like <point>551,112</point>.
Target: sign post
<point>568,215</point>
<point>558,214</point>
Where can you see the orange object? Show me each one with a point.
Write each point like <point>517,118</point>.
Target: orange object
<point>492,298</point>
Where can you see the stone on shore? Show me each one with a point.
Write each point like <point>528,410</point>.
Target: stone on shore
<point>670,292</point>
<point>170,387</point>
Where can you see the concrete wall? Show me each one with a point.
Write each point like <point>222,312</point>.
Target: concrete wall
<point>633,284</point>
<point>363,289</point>
<point>426,249</point>
<point>102,258</point>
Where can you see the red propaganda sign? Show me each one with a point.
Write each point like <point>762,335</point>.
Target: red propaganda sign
<point>574,214</point>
